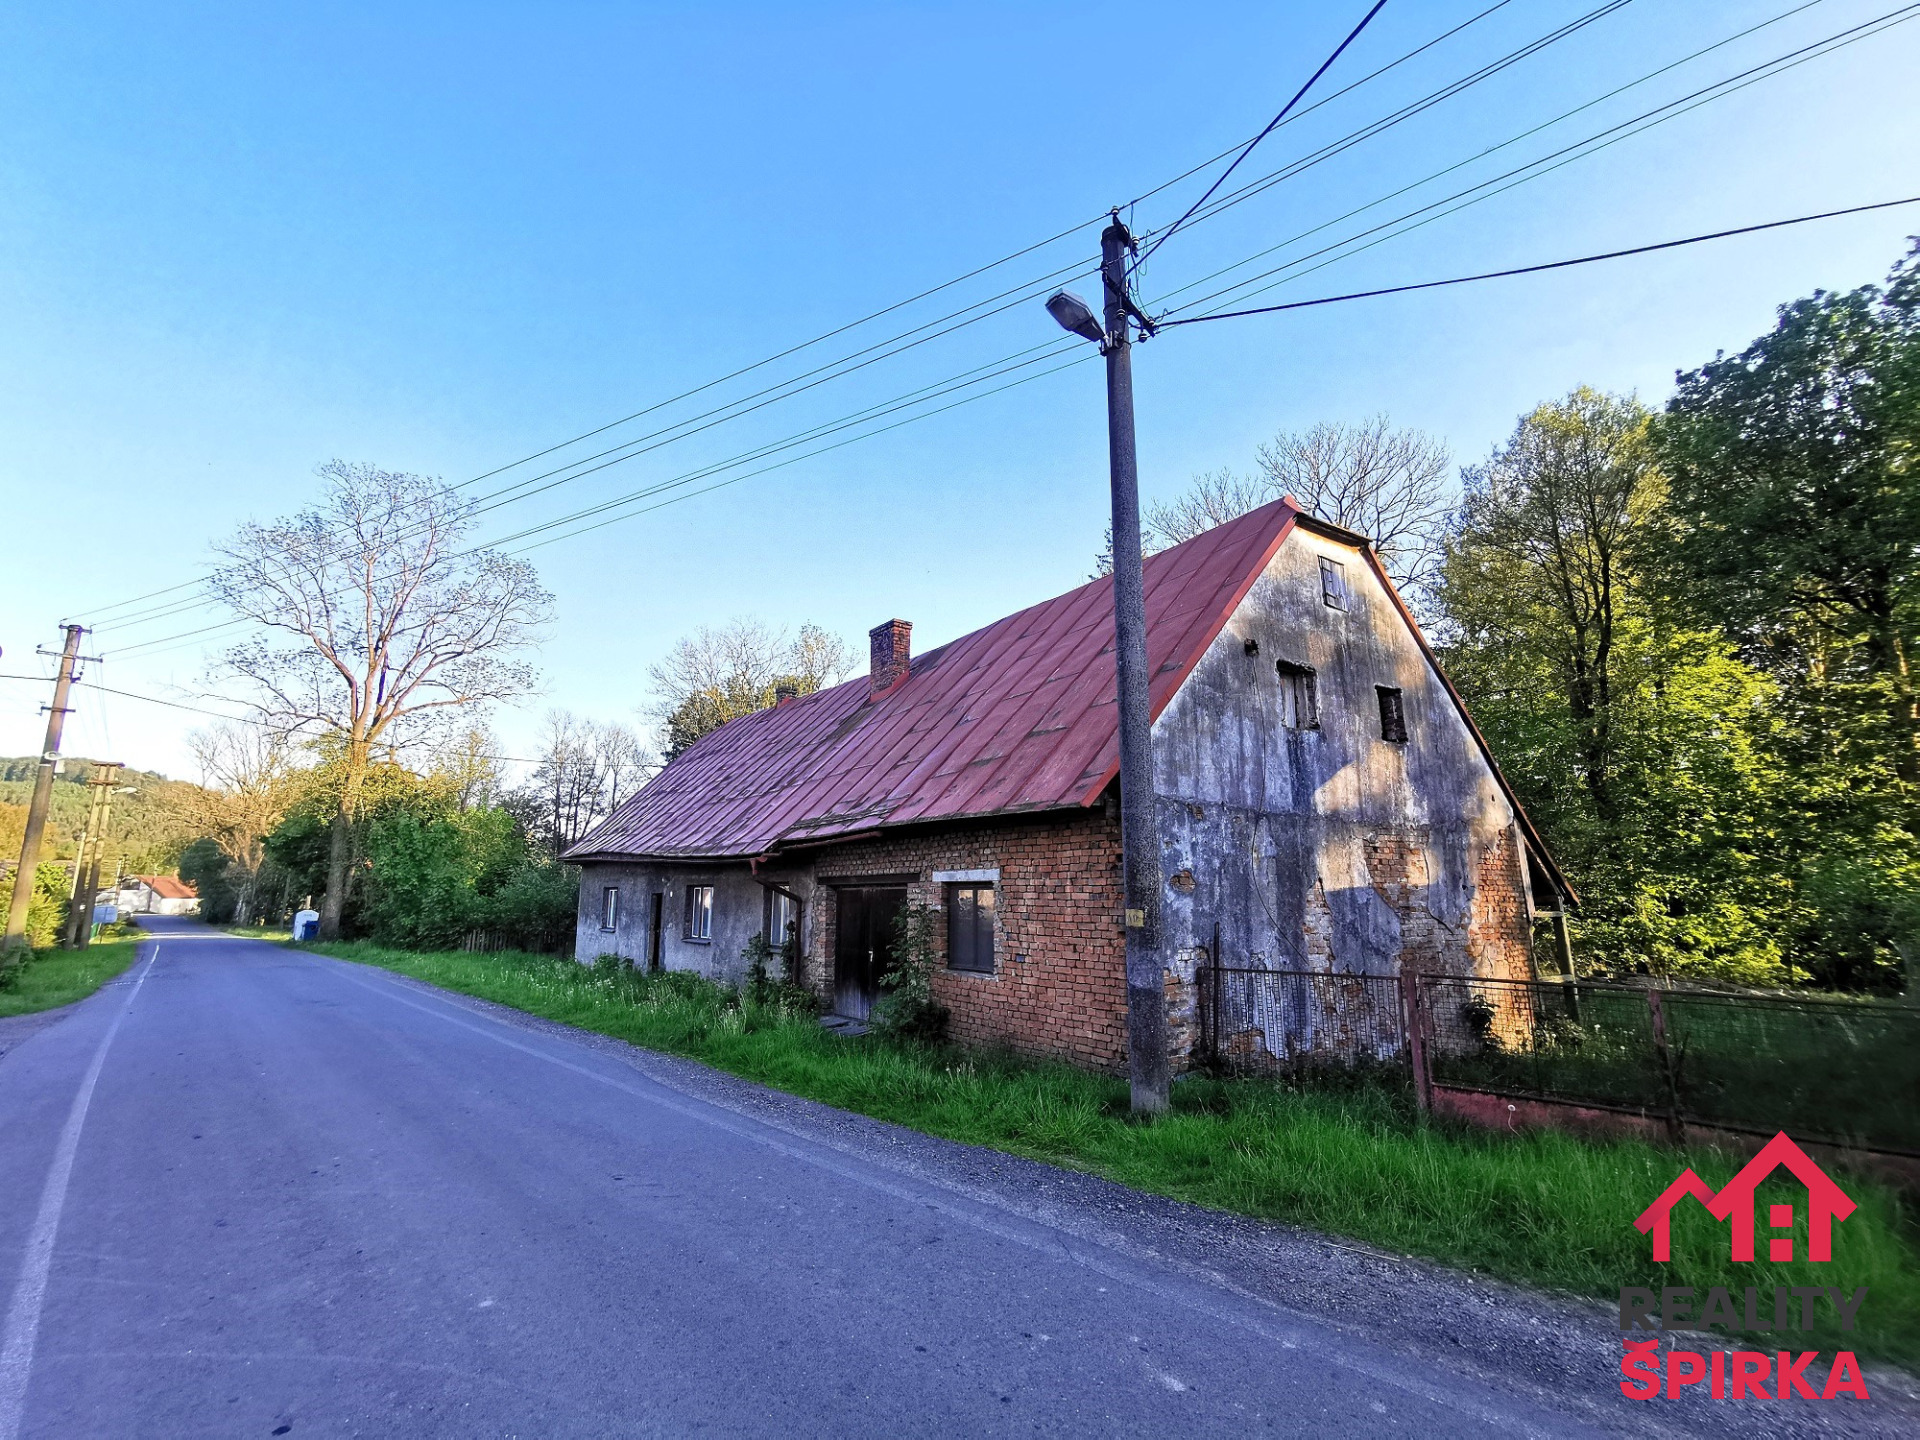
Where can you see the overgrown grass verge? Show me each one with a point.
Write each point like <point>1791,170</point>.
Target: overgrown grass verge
<point>1540,1208</point>
<point>52,978</point>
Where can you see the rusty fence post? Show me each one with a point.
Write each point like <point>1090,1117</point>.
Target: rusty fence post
<point>1214,1056</point>
<point>1414,1019</point>
<point>1671,1082</point>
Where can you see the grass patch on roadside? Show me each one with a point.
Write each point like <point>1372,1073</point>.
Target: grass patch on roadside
<point>1541,1208</point>
<point>52,978</point>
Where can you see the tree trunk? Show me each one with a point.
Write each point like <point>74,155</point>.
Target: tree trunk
<point>339,858</point>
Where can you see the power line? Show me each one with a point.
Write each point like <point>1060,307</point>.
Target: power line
<point>939,390</point>
<point>106,611</point>
<point>159,644</point>
<point>1535,269</point>
<point>216,714</point>
<point>631,449</point>
<point>1539,166</point>
<point>1339,50</point>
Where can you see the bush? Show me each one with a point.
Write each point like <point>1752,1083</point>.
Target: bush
<point>908,1011</point>
<point>46,910</point>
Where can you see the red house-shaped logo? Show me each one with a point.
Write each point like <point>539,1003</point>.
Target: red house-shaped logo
<point>1826,1202</point>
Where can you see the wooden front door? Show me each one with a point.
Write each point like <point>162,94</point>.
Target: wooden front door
<point>653,931</point>
<point>863,945</point>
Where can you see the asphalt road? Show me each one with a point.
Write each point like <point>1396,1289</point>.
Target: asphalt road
<point>256,1192</point>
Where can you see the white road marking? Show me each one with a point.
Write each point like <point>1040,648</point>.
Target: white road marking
<point>23,1315</point>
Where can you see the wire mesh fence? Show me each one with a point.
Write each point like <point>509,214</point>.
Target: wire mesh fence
<point>1841,1071</point>
<point>1274,1022</point>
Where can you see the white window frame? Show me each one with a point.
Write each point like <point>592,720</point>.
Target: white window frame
<point>699,926</point>
<point>609,909</point>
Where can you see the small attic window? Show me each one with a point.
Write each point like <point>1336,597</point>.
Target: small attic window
<point>1299,696</point>
<point>1333,583</point>
<point>1393,715</point>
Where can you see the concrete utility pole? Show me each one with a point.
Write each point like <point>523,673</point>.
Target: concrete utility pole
<point>15,938</point>
<point>75,892</point>
<point>86,868</point>
<point>1139,825</point>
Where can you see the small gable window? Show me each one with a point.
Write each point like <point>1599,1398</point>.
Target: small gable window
<point>1299,696</point>
<point>699,912</point>
<point>1393,715</point>
<point>970,927</point>
<point>1333,583</point>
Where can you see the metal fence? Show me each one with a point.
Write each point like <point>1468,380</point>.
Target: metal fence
<point>1840,1071</point>
<point>1271,1022</point>
<point>543,942</point>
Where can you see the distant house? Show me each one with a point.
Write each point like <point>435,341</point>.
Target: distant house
<point>1324,803</point>
<point>159,895</point>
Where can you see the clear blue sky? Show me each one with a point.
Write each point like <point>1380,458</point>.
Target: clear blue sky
<point>236,241</point>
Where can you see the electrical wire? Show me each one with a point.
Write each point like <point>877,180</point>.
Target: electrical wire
<point>1272,125</point>
<point>106,612</point>
<point>217,714</point>
<point>1033,355</point>
<point>154,645</point>
<point>1547,265</point>
<point>1538,167</point>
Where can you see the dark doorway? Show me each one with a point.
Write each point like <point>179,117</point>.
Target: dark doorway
<point>863,945</point>
<point>653,931</point>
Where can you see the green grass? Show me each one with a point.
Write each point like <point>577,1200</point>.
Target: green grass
<point>59,977</point>
<point>1541,1208</point>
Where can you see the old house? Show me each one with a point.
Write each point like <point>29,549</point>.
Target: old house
<point>1325,803</point>
<point>158,895</point>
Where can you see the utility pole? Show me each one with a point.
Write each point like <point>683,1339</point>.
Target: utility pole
<point>86,870</point>
<point>1139,825</point>
<point>77,903</point>
<point>14,939</point>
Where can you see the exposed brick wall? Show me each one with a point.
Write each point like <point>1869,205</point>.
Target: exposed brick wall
<point>1059,982</point>
<point>1500,927</point>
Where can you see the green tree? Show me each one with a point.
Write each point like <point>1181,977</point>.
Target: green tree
<point>374,619</point>
<point>1793,523</point>
<point>1795,501</point>
<point>208,868</point>
<point>1642,747</point>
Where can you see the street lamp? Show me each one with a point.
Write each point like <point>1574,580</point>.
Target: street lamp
<point>1139,826</point>
<point>1075,315</point>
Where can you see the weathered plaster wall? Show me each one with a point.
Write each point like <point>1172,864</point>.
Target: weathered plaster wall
<point>739,913</point>
<point>1331,847</point>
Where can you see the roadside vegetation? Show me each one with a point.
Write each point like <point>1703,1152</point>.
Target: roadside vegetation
<point>52,978</point>
<point>1539,1208</point>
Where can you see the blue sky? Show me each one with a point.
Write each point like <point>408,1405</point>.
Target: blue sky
<point>237,241</point>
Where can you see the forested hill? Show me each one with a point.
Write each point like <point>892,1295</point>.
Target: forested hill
<point>146,832</point>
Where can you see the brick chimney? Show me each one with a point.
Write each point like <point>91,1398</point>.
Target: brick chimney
<point>784,691</point>
<point>890,647</point>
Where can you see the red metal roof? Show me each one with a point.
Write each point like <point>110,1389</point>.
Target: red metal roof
<point>1014,718</point>
<point>168,888</point>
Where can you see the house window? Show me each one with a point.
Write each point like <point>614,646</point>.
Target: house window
<point>1393,717</point>
<point>1299,696</point>
<point>970,927</point>
<point>1333,583</point>
<point>610,908</point>
<point>699,912</point>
